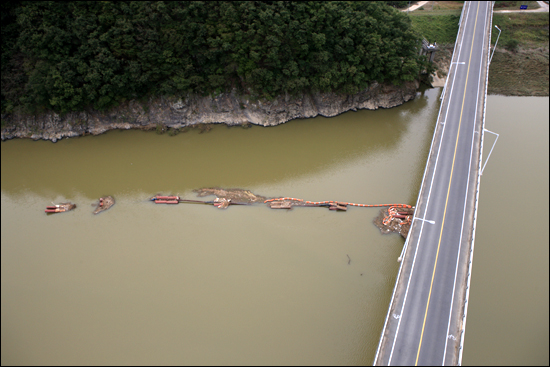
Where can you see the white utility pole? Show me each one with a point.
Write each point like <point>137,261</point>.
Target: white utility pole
<point>495,44</point>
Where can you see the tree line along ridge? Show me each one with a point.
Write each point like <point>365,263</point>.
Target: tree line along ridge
<point>70,56</point>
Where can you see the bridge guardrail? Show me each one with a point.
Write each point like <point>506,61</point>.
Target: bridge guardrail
<point>466,299</point>
<point>403,252</point>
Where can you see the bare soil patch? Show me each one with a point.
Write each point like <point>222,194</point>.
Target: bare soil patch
<point>521,73</point>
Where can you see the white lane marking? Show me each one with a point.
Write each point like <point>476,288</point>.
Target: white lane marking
<point>425,220</point>
<point>422,182</point>
<point>459,63</point>
<point>466,194</point>
<point>429,191</point>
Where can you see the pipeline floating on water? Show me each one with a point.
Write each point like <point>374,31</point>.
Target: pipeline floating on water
<point>220,203</point>
<point>394,212</point>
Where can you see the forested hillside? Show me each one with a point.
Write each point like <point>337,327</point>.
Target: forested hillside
<point>69,56</point>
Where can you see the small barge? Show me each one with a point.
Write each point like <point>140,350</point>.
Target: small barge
<point>60,208</point>
<point>166,199</point>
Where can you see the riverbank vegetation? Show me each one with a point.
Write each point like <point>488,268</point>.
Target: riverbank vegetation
<point>70,56</point>
<point>436,28</point>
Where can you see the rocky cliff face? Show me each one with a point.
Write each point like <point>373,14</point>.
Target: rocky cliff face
<point>227,108</point>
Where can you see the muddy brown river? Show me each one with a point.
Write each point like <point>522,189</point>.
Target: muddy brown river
<point>190,284</point>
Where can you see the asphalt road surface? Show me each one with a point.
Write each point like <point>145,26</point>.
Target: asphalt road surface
<point>425,317</point>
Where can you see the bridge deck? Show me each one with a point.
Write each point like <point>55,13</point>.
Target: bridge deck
<point>425,319</point>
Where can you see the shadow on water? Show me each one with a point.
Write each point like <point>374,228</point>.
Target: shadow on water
<point>121,162</point>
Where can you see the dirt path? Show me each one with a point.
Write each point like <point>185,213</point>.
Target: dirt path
<point>416,6</point>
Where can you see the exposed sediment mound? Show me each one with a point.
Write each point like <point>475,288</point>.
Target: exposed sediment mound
<point>104,203</point>
<point>234,195</point>
<point>389,223</point>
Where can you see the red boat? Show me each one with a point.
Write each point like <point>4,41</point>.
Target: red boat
<point>60,208</point>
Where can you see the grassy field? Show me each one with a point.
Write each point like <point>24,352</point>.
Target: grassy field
<point>421,12</point>
<point>451,7</point>
<point>520,64</point>
<point>513,5</point>
<point>530,30</point>
<point>522,73</point>
<point>439,8</point>
<point>437,28</point>
<point>441,25</point>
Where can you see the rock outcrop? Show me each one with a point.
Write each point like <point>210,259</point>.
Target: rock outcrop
<point>226,108</point>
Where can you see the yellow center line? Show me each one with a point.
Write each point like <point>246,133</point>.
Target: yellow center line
<point>448,190</point>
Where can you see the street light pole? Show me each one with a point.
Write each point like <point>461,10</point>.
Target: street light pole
<point>495,44</point>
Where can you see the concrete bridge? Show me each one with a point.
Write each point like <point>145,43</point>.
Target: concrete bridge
<point>426,319</point>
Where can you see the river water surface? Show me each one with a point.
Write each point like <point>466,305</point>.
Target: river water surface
<point>190,284</point>
<point>509,305</point>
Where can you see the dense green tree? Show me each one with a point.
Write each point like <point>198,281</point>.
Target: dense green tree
<point>72,55</point>
<point>399,4</point>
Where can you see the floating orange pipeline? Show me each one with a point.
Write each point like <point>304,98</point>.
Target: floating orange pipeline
<point>344,203</point>
<point>393,213</point>
<point>166,201</point>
